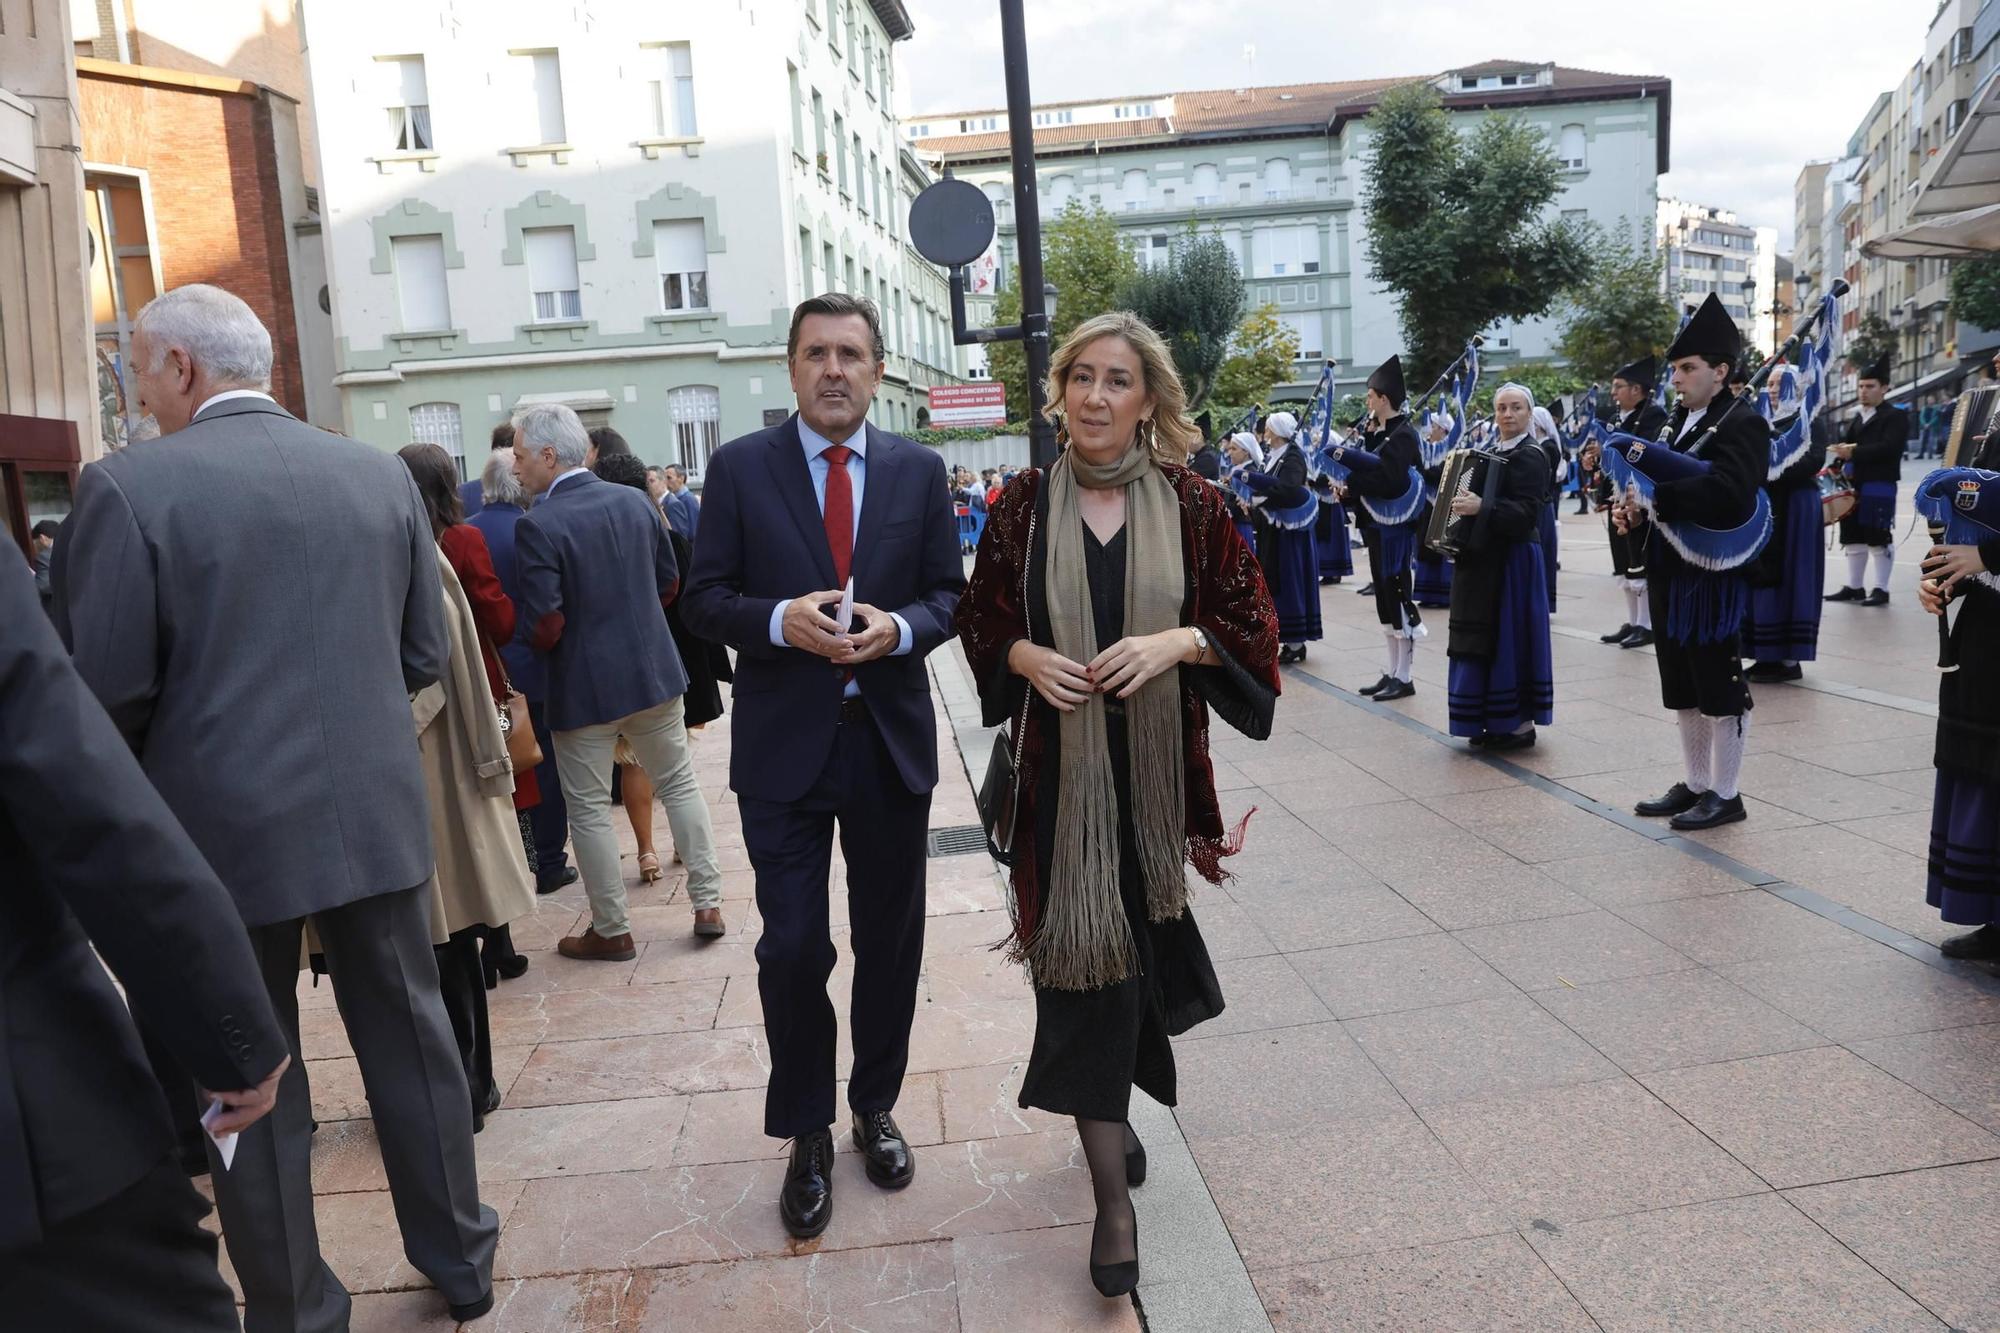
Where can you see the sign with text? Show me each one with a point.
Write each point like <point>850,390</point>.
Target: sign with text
<point>983,404</point>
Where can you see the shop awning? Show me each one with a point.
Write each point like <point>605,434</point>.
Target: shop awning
<point>1967,234</point>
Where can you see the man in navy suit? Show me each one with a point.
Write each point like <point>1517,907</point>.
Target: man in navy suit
<point>831,723</point>
<point>596,574</point>
<point>472,494</point>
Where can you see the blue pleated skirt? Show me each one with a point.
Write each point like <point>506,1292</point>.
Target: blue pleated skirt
<point>1783,624</point>
<point>1517,684</point>
<point>1336,557</point>
<point>1293,577</point>
<point>1964,879</point>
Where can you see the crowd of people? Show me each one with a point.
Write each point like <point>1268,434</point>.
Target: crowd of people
<point>301,704</point>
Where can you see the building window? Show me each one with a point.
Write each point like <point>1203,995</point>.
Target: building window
<point>798,111</point>
<point>696,412</point>
<point>1061,190</point>
<point>827,268</point>
<point>840,147</point>
<point>1286,251</point>
<point>874,185</point>
<point>1133,189</point>
<point>1278,178</point>
<point>1307,327</point>
<point>860,185</point>
<point>847,271</point>
<point>1954,116</point>
<point>806,261</point>
<point>407,94</point>
<point>1570,147</point>
<point>438,424</point>
<point>868,59</point>
<point>681,251</point>
<point>670,91</point>
<point>552,273</point>
<point>420,285</point>
<point>1207,184</point>
<point>833,24</point>
<point>542,74</point>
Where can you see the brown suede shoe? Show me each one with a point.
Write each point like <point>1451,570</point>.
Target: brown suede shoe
<point>592,947</point>
<point>708,923</point>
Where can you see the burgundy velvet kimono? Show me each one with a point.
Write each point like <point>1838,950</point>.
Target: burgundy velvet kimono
<point>1226,597</point>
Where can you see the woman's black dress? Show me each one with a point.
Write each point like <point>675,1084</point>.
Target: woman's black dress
<point>1093,1047</point>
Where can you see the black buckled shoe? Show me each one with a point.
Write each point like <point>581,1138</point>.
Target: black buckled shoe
<point>1844,595</point>
<point>1395,689</point>
<point>805,1204</point>
<point>1678,798</point>
<point>1711,811</point>
<point>885,1153</point>
<point>1291,653</point>
<point>1879,597</point>
<point>1983,943</point>
<point>1617,634</point>
<point>1381,683</point>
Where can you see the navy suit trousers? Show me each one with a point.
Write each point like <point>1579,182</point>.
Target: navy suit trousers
<point>883,829</point>
<point>550,819</point>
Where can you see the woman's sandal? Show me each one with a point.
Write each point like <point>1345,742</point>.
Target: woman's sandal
<point>649,867</point>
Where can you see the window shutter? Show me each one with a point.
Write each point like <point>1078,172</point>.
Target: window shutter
<point>420,282</point>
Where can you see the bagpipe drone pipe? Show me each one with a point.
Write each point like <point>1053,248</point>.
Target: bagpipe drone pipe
<point>1255,487</point>
<point>1340,461</point>
<point>1962,506</point>
<point>1637,466</point>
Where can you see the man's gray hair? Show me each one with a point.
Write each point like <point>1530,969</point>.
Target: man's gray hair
<point>497,483</point>
<point>220,333</point>
<point>553,426</point>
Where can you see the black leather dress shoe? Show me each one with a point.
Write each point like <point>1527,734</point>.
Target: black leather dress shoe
<point>1290,653</point>
<point>1617,634</point>
<point>1844,595</point>
<point>1518,740</point>
<point>1395,689</point>
<point>557,882</point>
<point>885,1154</point>
<point>1365,590</point>
<point>1638,638</point>
<point>1879,597</point>
<point>1710,812</point>
<point>1381,683</point>
<point>1677,799</point>
<point>470,1310</point>
<point>1975,944</point>
<point>805,1204</point>
<point>1774,673</point>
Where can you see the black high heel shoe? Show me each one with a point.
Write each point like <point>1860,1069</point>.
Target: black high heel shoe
<point>1115,1280</point>
<point>1135,1158</point>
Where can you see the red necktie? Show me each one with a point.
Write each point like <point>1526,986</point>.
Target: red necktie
<point>839,510</point>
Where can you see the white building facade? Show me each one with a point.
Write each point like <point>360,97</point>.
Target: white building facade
<point>614,207</point>
<point>1277,172</point>
<point>1708,250</point>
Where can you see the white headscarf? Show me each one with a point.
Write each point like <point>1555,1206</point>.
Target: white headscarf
<point>1283,425</point>
<point>1542,424</point>
<point>1247,442</point>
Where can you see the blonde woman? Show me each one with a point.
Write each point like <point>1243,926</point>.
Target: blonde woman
<point>1112,605</point>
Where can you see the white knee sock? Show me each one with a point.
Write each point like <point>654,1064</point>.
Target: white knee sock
<point>1634,599</point>
<point>1857,565</point>
<point>1696,746</point>
<point>1393,651</point>
<point>1644,620</point>
<point>1406,655</point>
<point>1730,734</point>
<point>1885,563</point>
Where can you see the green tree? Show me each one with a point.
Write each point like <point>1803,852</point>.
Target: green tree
<point>1873,339</point>
<point>1194,300</point>
<point>1260,357</point>
<point>1543,379</point>
<point>1975,291</point>
<point>1083,257</point>
<point>1619,315</point>
<point>1456,226</point>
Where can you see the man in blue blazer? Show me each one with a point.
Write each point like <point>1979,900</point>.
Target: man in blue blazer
<point>596,574</point>
<point>831,724</point>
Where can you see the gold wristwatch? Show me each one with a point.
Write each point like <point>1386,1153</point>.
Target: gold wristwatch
<point>1200,642</point>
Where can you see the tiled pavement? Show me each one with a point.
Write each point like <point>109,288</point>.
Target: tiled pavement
<point>1496,1054</point>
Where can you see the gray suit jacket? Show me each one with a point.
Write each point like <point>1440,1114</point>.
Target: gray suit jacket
<point>253,601</point>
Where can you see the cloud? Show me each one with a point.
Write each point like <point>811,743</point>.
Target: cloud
<point>1757,93</point>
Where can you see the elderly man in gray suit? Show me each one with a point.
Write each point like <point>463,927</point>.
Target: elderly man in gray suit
<point>254,601</point>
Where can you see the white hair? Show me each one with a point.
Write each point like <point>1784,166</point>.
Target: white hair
<point>221,334</point>
<point>497,483</point>
<point>1544,423</point>
<point>1247,442</point>
<point>1282,424</point>
<point>556,427</point>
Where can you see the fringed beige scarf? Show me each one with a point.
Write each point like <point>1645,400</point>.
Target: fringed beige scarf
<point>1084,940</point>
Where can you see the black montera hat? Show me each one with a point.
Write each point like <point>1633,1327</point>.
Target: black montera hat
<point>1879,372</point>
<point>1644,372</point>
<point>1711,333</point>
<point>1388,381</point>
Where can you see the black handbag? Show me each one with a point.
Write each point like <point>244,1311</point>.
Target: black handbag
<point>1000,791</point>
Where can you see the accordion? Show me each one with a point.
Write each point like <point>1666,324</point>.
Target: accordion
<point>1449,533</point>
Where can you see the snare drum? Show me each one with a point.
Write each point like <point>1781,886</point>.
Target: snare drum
<point>1837,496</point>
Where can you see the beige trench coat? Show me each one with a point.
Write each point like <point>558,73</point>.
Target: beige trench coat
<point>482,868</point>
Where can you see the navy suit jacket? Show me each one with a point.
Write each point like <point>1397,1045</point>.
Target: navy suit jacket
<point>524,665</point>
<point>766,544</point>
<point>595,570</point>
<point>472,495</point>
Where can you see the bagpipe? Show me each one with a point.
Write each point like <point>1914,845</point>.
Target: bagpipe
<point>1252,484</point>
<point>1340,461</point>
<point>1962,506</point>
<point>1637,466</point>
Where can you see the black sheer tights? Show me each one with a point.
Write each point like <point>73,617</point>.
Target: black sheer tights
<point>1115,1238</point>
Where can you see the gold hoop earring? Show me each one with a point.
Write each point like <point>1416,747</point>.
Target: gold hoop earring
<point>1147,433</point>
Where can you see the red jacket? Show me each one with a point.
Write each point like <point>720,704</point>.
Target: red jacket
<point>464,546</point>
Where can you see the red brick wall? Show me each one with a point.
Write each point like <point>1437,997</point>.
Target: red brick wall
<point>216,216</point>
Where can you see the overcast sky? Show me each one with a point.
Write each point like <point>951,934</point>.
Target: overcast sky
<point>1770,87</point>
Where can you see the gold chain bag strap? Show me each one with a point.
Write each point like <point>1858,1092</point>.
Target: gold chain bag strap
<point>1000,792</point>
